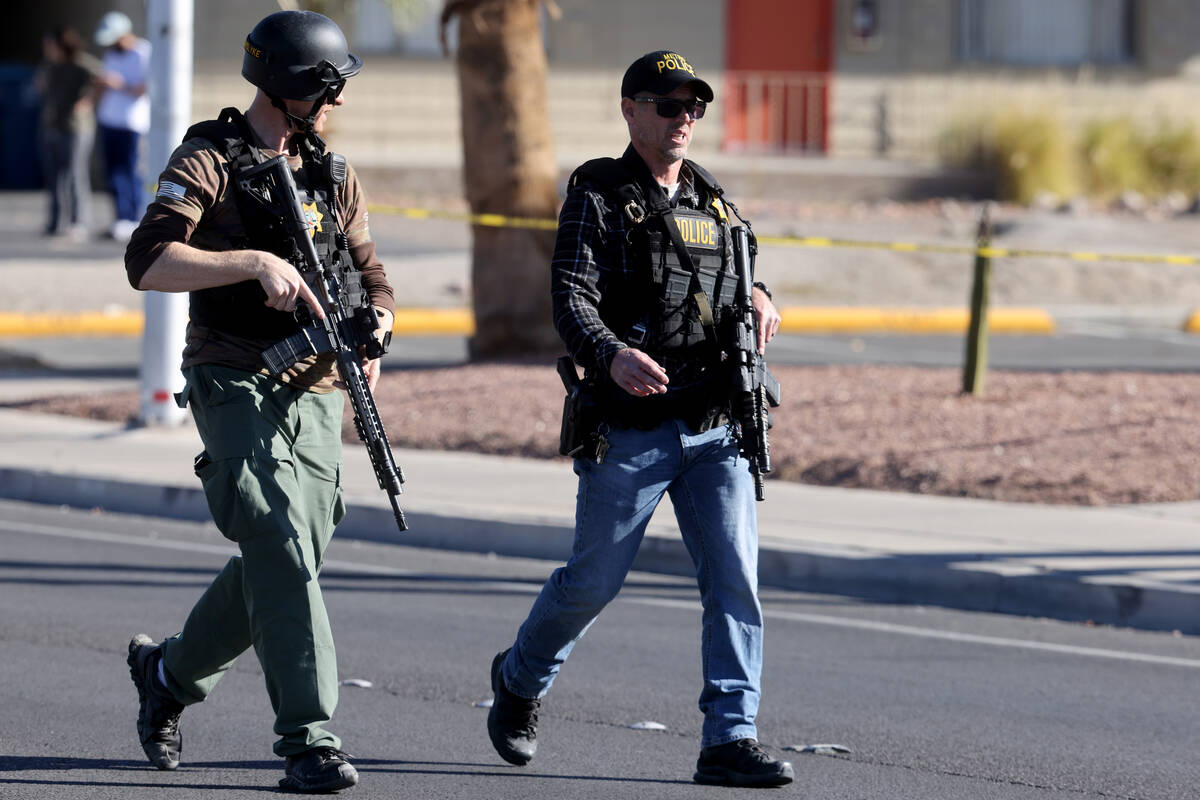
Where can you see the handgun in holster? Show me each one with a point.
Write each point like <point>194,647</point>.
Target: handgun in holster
<point>581,435</point>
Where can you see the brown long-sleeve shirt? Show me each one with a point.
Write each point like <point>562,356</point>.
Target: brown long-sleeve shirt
<point>194,204</point>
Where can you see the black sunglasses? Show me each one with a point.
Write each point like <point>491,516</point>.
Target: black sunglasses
<point>670,107</point>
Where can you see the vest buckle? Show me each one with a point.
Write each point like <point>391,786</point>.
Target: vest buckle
<point>635,212</point>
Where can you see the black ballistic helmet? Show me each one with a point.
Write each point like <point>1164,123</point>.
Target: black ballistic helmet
<point>298,55</point>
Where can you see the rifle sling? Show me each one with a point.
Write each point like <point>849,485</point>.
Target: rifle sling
<point>698,296</point>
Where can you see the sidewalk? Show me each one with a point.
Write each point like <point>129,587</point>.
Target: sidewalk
<point>1130,566</point>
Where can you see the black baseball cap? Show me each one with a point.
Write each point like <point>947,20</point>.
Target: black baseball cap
<point>661,72</point>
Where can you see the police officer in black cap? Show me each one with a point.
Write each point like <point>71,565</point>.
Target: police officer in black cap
<point>642,280</point>
<point>272,442</point>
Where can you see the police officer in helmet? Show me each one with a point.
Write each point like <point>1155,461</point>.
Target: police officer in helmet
<point>642,281</point>
<point>272,442</point>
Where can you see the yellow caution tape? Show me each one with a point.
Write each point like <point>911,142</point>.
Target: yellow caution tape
<point>485,220</point>
<point>986,252</point>
<point>502,221</point>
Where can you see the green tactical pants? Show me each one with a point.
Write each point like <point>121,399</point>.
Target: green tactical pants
<point>271,472</point>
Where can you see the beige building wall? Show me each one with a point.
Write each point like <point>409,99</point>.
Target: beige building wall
<point>914,36</point>
<point>406,110</point>
<point>611,34</point>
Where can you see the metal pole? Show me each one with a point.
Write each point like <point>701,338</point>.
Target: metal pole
<point>975,369</point>
<point>169,24</point>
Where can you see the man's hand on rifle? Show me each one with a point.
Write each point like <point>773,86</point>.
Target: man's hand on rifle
<point>766,316</point>
<point>283,285</point>
<point>371,366</point>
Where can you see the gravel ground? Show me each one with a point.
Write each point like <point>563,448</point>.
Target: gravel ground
<point>1073,438</point>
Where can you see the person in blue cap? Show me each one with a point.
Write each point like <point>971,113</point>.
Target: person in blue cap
<point>123,117</point>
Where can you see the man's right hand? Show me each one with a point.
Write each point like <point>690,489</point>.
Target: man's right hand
<point>637,373</point>
<point>284,286</point>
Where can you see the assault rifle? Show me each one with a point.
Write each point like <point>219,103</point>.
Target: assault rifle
<point>344,331</point>
<point>753,388</point>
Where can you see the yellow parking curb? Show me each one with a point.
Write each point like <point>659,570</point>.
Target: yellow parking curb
<point>461,322</point>
<point>13,325</point>
<point>86,323</point>
<point>813,319</point>
<point>433,322</point>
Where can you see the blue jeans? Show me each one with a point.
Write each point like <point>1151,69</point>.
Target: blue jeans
<point>713,494</point>
<point>124,180</point>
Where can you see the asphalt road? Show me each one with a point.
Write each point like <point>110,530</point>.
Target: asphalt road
<point>931,703</point>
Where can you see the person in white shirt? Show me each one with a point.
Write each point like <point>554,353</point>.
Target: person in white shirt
<point>123,116</point>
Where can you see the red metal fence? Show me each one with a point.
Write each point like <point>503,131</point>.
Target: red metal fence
<point>776,112</point>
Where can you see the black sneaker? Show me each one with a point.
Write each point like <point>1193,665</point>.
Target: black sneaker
<point>158,710</point>
<point>322,769</point>
<point>512,720</point>
<point>741,763</point>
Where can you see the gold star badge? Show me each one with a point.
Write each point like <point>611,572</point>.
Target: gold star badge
<point>312,218</point>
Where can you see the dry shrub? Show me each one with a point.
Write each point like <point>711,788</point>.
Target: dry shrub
<point>1030,154</point>
<point>1172,155</point>
<point>1114,158</point>
<point>1034,155</point>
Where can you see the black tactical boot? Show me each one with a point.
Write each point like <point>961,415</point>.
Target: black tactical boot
<point>158,710</point>
<point>512,720</point>
<point>322,769</point>
<point>741,763</point>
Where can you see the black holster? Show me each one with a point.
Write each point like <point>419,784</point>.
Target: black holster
<point>580,434</point>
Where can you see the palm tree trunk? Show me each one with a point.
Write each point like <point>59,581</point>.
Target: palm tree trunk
<point>508,169</point>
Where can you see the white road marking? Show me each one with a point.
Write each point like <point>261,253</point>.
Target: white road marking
<point>949,636</point>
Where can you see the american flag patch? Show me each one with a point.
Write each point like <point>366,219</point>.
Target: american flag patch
<point>171,191</point>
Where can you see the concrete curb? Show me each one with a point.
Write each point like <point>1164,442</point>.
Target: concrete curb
<point>460,322</point>
<point>893,578</point>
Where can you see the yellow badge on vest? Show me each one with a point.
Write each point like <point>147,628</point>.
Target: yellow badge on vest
<point>720,209</point>
<point>312,218</point>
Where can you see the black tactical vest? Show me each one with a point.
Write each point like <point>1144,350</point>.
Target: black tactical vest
<point>239,308</point>
<point>664,318</point>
